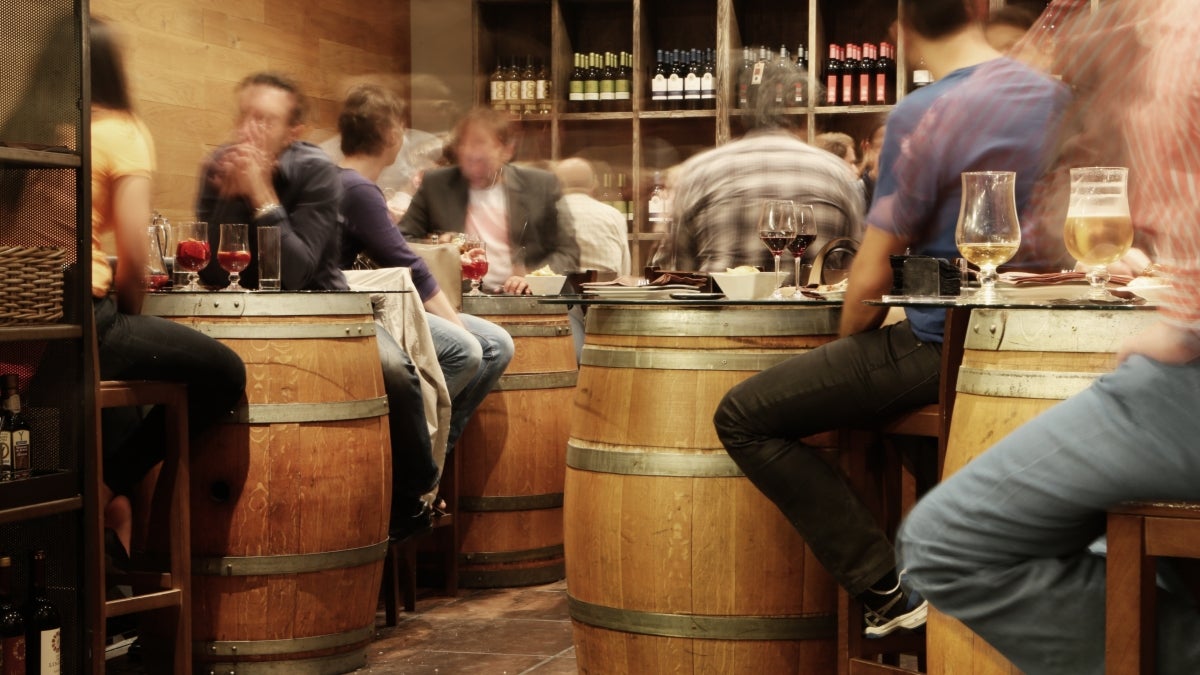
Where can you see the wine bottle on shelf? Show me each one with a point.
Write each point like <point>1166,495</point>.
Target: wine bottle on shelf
<point>887,93</point>
<point>608,83</point>
<point>12,625</point>
<point>800,85</point>
<point>626,204</point>
<point>708,80</point>
<point>544,90</point>
<point>656,205</point>
<point>921,75</point>
<point>658,83</point>
<point>833,75</point>
<point>605,194</point>
<point>866,73</point>
<point>43,625</point>
<point>783,76</point>
<point>849,74</point>
<point>575,85</point>
<point>691,81</point>
<point>512,87</point>
<point>675,81</point>
<point>528,87</point>
<point>16,430</point>
<point>591,84</point>
<point>496,88</point>
<point>743,78</point>
<point>623,84</point>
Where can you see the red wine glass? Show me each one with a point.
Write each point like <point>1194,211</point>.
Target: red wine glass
<point>192,251</point>
<point>233,253</point>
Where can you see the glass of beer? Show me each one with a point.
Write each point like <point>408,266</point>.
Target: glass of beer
<point>988,232</point>
<point>1098,230</point>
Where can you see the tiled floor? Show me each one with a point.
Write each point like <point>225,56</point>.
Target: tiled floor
<point>498,632</point>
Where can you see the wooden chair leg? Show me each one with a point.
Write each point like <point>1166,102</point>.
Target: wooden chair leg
<point>1129,610</point>
<point>391,585</point>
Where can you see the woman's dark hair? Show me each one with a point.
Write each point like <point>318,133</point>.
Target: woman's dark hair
<point>934,19</point>
<point>1015,16</point>
<point>110,88</point>
<point>368,115</point>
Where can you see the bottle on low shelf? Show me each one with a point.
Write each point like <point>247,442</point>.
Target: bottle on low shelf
<point>833,75</point>
<point>658,83</point>
<point>623,84</point>
<point>675,81</point>
<point>607,84</point>
<point>656,205</point>
<point>512,87</point>
<point>43,624</point>
<point>543,90</point>
<point>575,85</point>
<point>496,88</point>
<point>885,75</point>
<point>528,87</point>
<point>12,625</point>
<point>591,83</point>
<point>708,80</point>
<point>800,84</point>
<point>16,443</point>
<point>744,76</point>
<point>691,81</point>
<point>850,65</point>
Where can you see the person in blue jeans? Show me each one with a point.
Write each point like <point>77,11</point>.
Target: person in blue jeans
<point>472,353</point>
<point>270,177</point>
<point>1003,544</point>
<point>874,372</point>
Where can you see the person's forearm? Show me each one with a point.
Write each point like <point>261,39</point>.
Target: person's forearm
<point>858,317</point>
<point>439,305</point>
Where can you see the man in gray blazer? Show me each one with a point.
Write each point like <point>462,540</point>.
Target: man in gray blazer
<point>513,209</point>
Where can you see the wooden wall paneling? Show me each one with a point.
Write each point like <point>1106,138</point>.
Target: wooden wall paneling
<point>185,57</point>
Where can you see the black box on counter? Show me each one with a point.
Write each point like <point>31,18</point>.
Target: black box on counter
<point>919,275</point>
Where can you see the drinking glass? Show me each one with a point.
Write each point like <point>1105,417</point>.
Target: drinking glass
<point>233,253</point>
<point>192,251</point>
<point>156,268</point>
<point>806,234</point>
<point>1098,230</point>
<point>776,229</point>
<point>988,232</point>
<point>474,262</point>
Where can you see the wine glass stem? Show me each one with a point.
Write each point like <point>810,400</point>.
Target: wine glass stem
<point>777,261</point>
<point>1098,276</point>
<point>796,265</point>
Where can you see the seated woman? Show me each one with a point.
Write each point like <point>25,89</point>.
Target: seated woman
<point>471,352</point>
<point>132,346</point>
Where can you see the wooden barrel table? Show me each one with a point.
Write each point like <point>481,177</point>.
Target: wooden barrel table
<point>675,561</point>
<point>511,457</point>
<point>290,500</point>
<point>1016,364</point>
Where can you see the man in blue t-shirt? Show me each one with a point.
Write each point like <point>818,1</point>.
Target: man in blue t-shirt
<point>874,372</point>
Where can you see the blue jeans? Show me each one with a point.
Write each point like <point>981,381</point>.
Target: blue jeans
<point>472,361</point>
<point>413,470</point>
<point>137,347</point>
<point>869,376</point>
<point>1002,544</point>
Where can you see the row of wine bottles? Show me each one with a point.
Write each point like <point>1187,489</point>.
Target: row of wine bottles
<point>616,193</point>
<point>787,78</point>
<point>30,636</point>
<point>522,91</point>
<point>601,82</point>
<point>16,448</point>
<point>860,74</point>
<point>852,74</point>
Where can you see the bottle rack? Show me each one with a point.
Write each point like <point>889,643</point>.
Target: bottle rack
<point>642,140</point>
<point>54,359</point>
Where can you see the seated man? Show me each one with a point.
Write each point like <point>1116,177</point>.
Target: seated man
<point>874,372</point>
<point>472,352</point>
<point>514,210</point>
<point>270,177</point>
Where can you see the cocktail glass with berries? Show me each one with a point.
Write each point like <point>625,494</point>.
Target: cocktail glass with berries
<point>192,251</point>
<point>233,253</point>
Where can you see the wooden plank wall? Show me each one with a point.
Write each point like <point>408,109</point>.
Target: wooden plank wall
<point>184,58</point>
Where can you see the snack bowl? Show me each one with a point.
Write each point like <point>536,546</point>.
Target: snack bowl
<point>545,285</point>
<point>754,286</point>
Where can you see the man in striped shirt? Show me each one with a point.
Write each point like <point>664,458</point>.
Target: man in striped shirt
<point>1003,544</point>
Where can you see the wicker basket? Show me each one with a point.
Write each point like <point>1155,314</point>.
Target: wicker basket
<point>33,284</point>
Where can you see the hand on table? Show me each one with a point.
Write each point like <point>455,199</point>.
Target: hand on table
<point>517,286</point>
<point>1163,342</point>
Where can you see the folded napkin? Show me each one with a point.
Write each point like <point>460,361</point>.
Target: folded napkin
<point>1025,279</point>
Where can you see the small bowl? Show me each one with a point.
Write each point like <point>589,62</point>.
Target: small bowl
<point>758,286</point>
<point>546,285</point>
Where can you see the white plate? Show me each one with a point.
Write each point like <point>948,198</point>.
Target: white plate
<point>636,292</point>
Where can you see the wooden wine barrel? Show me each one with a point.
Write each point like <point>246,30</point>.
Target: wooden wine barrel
<point>290,500</point>
<point>675,561</point>
<point>1017,364</point>
<point>512,454</point>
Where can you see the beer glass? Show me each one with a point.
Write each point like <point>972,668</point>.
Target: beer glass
<point>1098,230</point>
<point>988,232</point>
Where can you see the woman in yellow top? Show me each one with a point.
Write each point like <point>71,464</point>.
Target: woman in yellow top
<point>132,346</point>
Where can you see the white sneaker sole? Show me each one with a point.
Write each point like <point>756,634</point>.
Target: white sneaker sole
<point>907,621</point>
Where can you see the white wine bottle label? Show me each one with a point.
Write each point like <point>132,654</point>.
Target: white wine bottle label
<point>707,86</point>
<point>51,652</point>
<point>655,209</point>
<point>20,451</point>
<point>512,90</point>
<point>658,88</point>
<point>497,91</point>
<point>575,93</point>
<point>691,86</point>
<point>528,89</point>
<point>675,87</point>
<point>607,90</point>
<point>542,87</point>
<point>621,90</point>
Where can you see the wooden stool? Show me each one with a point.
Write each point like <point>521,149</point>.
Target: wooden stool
<point>167,593</point>
<point>400,566</point>
<point>1138,532</point>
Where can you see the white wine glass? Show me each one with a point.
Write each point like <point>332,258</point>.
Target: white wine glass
<point>988,232</point>
<point>1098,230</point>
<point>776,229</point>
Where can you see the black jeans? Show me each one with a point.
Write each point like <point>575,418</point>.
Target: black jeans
<point>414,471</point>
<point>850,382</point>
<point>135,347</point>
